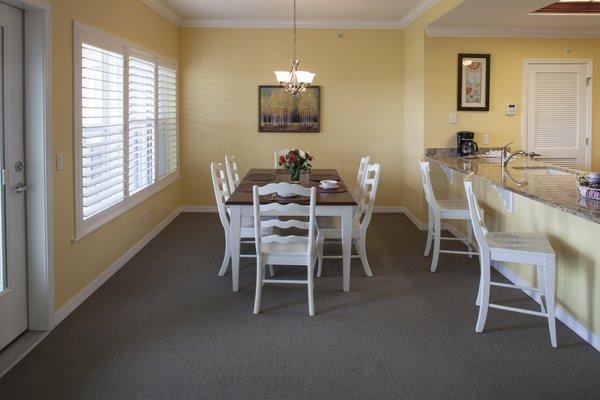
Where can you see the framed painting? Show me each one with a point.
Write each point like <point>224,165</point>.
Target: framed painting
<point>473,82</point>
<point>280,111</point>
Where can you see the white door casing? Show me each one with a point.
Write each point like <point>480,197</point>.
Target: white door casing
<point>557,118</point>
<point>13,293</point>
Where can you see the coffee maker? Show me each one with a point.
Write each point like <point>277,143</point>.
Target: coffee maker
<point>466,144</point>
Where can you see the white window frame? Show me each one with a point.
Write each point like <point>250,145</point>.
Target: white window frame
<point>95,37</point>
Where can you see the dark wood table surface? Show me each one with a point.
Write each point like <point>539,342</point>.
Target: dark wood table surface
<point>261,177</point>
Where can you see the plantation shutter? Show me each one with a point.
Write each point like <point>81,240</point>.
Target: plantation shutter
<point>102,129</point>
<point>557,116</point>
<point>142,123</point>
<point>167,121</point>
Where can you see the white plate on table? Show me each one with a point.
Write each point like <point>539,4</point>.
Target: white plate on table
<point>329,184</point>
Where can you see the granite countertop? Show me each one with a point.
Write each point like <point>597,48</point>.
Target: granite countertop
<point>551,185</point>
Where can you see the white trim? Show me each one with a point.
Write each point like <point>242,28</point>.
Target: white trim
<point>454,31</point>
<point>286,23</point>
<point>561,314</point>
<point>164,10</point>
<point>421,8</point>
<point>199,209</point>
<point>80,297</point>
<point>589,99</point>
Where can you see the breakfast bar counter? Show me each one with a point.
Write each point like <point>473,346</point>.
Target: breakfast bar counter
<point>551,185</point>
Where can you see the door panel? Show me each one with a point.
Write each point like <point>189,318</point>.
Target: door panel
<point>13,288</point>
<point>557,112</point>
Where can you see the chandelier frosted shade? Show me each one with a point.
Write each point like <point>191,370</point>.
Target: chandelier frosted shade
<point>294,81</point>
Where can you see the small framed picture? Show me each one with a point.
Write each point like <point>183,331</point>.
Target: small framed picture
<point>473,82</point>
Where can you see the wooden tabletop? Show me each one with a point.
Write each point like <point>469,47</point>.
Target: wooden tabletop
<point>262,177</point>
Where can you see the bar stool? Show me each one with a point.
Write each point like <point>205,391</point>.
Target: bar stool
<point>523,248</point>
<point>439,210</point>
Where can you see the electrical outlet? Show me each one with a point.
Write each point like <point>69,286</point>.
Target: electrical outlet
<point>146,215</point>
<point>60,162</point>
<point>453,118</point>
<point>486,139</point>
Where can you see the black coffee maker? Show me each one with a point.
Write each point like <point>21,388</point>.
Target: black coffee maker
<point>466,144</point>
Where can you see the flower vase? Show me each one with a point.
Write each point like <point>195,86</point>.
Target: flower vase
<point>295,175</point>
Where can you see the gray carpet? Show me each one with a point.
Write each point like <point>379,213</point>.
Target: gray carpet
<point>166,327</point>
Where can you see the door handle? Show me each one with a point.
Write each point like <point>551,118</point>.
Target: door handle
<point>20,188</point>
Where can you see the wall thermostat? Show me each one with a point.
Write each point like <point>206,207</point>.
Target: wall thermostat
<point>511,109</point>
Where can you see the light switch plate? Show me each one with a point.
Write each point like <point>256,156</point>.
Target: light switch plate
<point>511,109</point>
<point>453,118</point>
<point>486,139</point>
<point>60,162</point>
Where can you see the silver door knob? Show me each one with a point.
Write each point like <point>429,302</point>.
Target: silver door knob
<point>20,188</point>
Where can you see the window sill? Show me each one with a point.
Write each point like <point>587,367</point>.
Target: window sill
<point>129,203</point>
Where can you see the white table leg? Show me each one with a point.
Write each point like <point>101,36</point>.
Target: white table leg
<point>346,245</point>
<point>236,227</point>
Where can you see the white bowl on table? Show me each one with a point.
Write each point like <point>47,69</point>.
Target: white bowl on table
<point>329,184</point>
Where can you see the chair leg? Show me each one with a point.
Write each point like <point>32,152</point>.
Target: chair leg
<point>479,292</point>
<point>541,271</point>
<point>549,284</point>
<point>271,271</point>
<point>429,234</point>
<point>485,291</point>
<point>227,256</point>
<point>320,245</point>
<point>362,251</point>
<point>260,273</point>
<point>436,243</point>
<point>311,285</point>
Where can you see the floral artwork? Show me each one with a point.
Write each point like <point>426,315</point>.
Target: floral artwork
<point>473,82</point>
<point>280,111</point>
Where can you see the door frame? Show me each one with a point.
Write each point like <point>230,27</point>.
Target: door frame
<point>37,39</point>
<point>589,98</point>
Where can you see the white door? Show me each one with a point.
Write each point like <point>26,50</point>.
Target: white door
<point>558,109</point>
<point>13,273</point>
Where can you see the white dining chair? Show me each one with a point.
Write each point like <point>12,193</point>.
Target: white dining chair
<point>329,228</point>
<point>523,248</point>
<point>443,210</point>
<point>276,155</point>
<point>233,174</point>
<point>295,249</point>
<point>360,178</point>
<point>222,193</point>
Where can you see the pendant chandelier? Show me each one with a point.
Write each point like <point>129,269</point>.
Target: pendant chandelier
<point>294,81</point>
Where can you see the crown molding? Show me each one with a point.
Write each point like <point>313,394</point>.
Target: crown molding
<point>286,23</point>
<point>167,12</point>
<point>451,31</point>
<point>421,8</point>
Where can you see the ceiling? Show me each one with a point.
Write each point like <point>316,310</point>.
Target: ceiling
<point>512,18</point>
<point>273,13</point>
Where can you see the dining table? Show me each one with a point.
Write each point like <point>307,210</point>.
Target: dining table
<point>337,202</point>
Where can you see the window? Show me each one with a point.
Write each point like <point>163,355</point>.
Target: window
<point>126,126</point>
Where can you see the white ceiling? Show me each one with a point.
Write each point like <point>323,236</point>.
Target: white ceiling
<point>273,13</point>
<point>511,18</point>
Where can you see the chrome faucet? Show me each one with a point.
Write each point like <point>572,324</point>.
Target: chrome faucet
<point>506,158</point>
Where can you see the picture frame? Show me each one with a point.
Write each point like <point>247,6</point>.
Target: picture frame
<point>280,111</point>
<point>473,82</point>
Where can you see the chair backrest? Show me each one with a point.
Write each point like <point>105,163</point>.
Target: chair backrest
<point>222,193</point>
<point>233,175</point>
<point>277,154</point>
<point>360,178</point>
<point>479,228</point>
<point>368,196</point>
<point>427,187</point>
<point>288,210</point>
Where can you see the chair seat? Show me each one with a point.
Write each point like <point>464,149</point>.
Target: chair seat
<point>286,253</point>
<point>331,227</point>
<point>507,245</point>
<point>454,209</point>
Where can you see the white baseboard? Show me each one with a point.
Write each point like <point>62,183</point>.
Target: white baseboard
<point>199,209</point>
<point>80,297</point>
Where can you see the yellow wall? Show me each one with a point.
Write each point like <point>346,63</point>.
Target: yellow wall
<point>415,106</point>
<point>361,79</point>
<point>77,264</point>
<point>506,86</point>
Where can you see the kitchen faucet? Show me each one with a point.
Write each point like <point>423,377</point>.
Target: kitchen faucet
<point>505,158</point>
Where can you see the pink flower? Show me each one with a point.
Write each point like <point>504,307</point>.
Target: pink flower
<point>281,160</point>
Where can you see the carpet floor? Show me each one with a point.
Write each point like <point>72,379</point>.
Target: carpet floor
<point>166,327</point>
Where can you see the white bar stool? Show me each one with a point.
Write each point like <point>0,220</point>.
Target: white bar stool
<point>438,211</point>
<point>523,248</point>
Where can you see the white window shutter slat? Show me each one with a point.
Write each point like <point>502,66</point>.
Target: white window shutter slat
<point>167,121</point>
<point>102,129</point>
